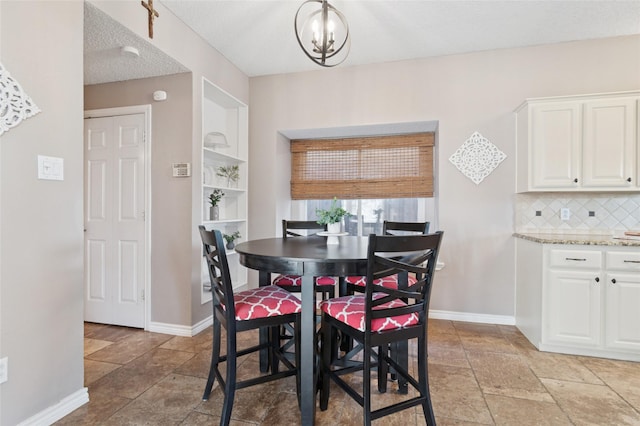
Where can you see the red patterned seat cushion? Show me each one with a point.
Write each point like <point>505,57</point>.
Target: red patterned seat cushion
<point>296,280</point>
<point>350,310</point>
<point>265,302</point>
<point>389,282</point>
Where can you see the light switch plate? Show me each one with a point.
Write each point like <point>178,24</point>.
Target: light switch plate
<point>4,367</point>
<point>50,168</point>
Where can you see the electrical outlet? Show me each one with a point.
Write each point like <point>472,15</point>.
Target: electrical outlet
<point>4,367</point>
<point>565,213</point>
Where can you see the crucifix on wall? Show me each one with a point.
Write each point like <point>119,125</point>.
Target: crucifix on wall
<point>152,15</point>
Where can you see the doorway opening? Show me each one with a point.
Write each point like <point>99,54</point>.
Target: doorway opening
<point>117,149</point>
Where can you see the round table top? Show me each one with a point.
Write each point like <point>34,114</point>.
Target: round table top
<point>306,255</point>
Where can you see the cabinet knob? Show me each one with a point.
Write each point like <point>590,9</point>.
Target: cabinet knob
<point>575,180</point>
<point>629,180</point>
<point>597,279</point>
<point>613,280</point>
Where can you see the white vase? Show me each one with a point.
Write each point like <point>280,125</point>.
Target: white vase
<point>214,213</point>
<point>333,228</point>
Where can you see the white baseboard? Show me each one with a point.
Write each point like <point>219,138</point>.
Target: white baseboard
<point>189,331</point>
<point>470,317</point>
<point>180,330</point>
<point>58,411</point>
<point>197,328</point>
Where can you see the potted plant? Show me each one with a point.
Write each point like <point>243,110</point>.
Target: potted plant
<point>214,199</point>
<point>230,239</point>
<point>231,173</point>
<point>332,217</point>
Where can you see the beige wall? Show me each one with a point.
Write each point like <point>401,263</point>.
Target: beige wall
<point>171,135</point>
<point>41,248</point>
<point>465,93</point>
<point>41,221</point>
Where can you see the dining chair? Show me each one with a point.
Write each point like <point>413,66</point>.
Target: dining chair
<point>356,284</point>
<point>382,316</point>
<point>268,306</point>
<point>324,285</point>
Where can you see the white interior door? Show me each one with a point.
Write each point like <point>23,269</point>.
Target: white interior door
<point>114,272</point>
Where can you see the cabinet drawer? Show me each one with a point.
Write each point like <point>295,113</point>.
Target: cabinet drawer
<point>575,259</point>
<point>623,260</point>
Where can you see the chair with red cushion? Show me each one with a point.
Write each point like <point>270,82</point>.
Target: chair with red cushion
<point>268,306</point>
<point>381,317</point>
<point>324,285</point>
<point>355,284</point>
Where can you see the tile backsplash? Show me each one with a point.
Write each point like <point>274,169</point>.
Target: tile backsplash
<point>591,213</point>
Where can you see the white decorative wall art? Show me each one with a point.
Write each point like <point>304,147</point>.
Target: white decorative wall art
<point>15,104</point>
<point>477,158</point>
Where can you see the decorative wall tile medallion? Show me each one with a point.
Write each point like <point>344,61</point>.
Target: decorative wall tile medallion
<point>477,158</point>
<point>15,104</point>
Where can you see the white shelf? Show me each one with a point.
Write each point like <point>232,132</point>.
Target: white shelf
<point>222,114</point>
<point>227,158</point>
<point>228,191</point>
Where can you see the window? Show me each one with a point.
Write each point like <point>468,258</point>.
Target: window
<point>398,166</point>
<point>367,215</point>
<point>375,178</point>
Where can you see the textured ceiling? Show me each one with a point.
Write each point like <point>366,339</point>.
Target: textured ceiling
<point>103,62</point>
<point>257,35</point>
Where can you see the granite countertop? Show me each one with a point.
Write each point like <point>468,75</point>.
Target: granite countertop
<point>577,239</point>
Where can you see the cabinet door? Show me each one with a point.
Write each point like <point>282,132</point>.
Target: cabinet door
<point>555,145</point>
<point>609,143</point>
<point>622,319</point>
<point>572,313</point>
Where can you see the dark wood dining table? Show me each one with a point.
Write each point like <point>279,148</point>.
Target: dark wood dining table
<point>308,257</point>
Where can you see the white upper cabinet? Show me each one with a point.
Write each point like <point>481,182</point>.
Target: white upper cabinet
<point>585,143</point>
<point>609,143</point>
<point>555,144</point>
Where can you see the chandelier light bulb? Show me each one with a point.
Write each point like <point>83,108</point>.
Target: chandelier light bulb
<point>314,28</point>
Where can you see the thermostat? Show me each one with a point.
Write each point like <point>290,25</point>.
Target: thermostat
<point>181,169</point>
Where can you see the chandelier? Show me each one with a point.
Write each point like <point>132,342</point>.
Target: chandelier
<point>323,33</point>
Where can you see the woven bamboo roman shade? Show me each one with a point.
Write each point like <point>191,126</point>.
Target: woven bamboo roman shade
<point>397,166</point>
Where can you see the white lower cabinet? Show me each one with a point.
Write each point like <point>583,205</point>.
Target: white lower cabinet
<point>585,300</point>
<point>622,295</point>
<point>572,311</point>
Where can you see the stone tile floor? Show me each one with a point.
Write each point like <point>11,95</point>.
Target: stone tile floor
<point>479,374</point>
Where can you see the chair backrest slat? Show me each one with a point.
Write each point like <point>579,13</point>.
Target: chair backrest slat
<point>391,228</point>
<point>218,267</point>
<point>289,226</point>
<point>392,312</point>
